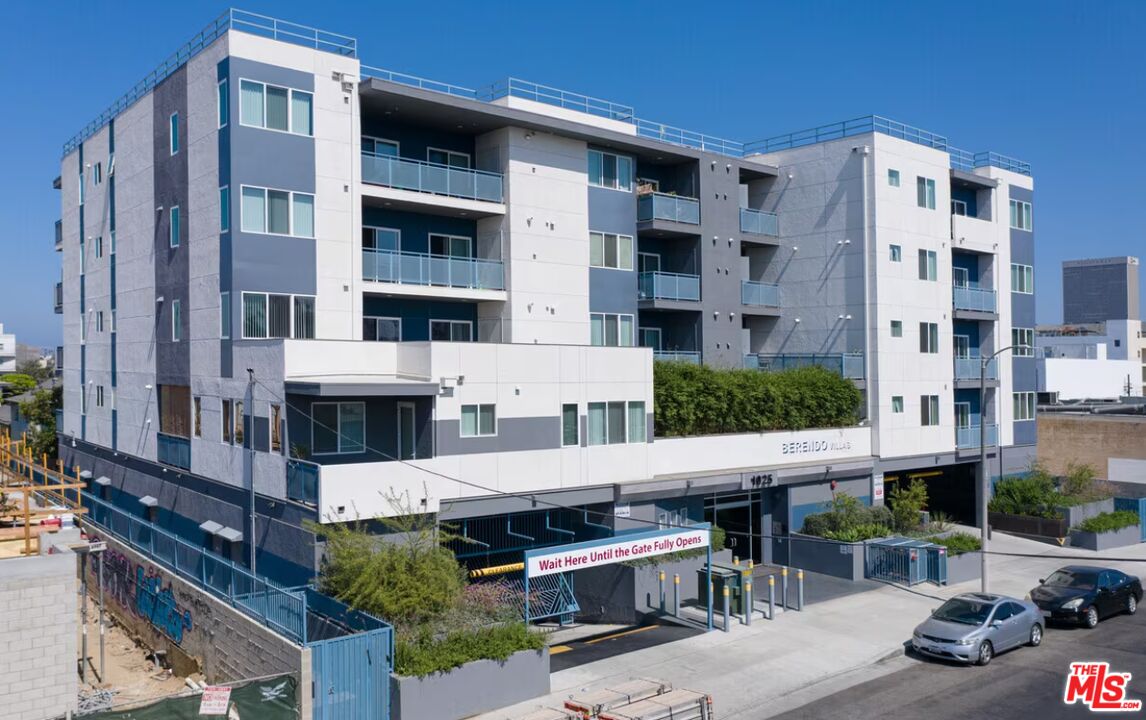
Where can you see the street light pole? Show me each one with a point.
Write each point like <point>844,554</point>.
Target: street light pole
<point>984,484</point>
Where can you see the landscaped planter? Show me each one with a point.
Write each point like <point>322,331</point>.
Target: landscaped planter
<point>473,688</point>
<point>1075,514</point>
<point>1131,535</point>
<point>830,557</point>
<point>1028,525</point>
<point>961,568</point>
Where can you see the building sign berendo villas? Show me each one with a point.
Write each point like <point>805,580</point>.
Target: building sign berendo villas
<point>579,557</point>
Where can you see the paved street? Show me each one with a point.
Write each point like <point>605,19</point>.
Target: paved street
<point>1025,683</point>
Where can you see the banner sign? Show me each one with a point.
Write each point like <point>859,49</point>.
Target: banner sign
<point>215,700</point>
<point>578,556</point>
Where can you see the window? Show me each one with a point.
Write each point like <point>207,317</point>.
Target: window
<point>224,209</point>
<point>99,395</point>
<point>896,253</point>
<point>893,178</point>
<point>928,265</point>
<point>1024,405</point>
<point>928,337</point>
<point>275,108</point>
<point>175,410</point>
<point>451,330</point>
<point>97,174</point>
<point>173,228</point>
<point>448,157</point>
<point>277,212</point>
<point>959,207</point>
<point>266,315</point>
<point>1022,279</point>
<point>176,321</point>
<point>570,432</point>
<point>225,315</point>
<point>197,417</point>
<point>451,245</point>
<point>610,251</point>
<point>615,423</point>
<point>925,193</point>
<point>276,428</point>
<point>99,321</point>
<point>240,423</point>
<point>99,246</point>
<point>1023,342</point>
<point>174,139</point>
<point>1021,215</point>
<point>897,328</point>
<point>479,420</point>
<point>224,103</point>
<point>227,421</point>
<point>382,329</point>
<point>610,171</point>
<point>113,242</point>
<point>611,330</point>
<point>377,238</point>
<point>929,410</point>
<point>897,403</point>
<point>378,146</point>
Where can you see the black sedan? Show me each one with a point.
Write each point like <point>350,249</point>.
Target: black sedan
<point>1085,595</point>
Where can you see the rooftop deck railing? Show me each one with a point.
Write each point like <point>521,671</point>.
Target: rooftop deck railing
<point>431,178</point>
<point>688,138</point>
<point>759,222</point>
<point>660,206</point>
<point>848,128</point>
<point>526,90</point>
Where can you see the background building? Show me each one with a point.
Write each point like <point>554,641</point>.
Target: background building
<point>7,351</point>
<point>1100,289</point>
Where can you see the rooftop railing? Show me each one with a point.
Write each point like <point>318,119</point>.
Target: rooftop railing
<point>968,437</point>
<point>526,90</point>
<point>963,160</point>
<point>759,222</point>
<point>431,178</point>
<point>418,82</point>
<point>848,365</point>
<point>848,128</point>
<point>410,268</point>
<point>669,286</point>
<point>659,206</point>
<point>970,297</point>
<point>759,294</point>
<point>688,138</point>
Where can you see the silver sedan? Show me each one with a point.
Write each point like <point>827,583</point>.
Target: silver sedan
<point>974,627</point>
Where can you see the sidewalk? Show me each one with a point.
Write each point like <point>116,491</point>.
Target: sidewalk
<point>775,666</point>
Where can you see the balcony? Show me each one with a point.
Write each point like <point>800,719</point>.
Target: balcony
<point>759,222</point>
<point>847,365</point>
<point>173,450</point>
<point>759,294</point>
<point>686,356</point>
<point>652,207</point>
<point>978,302</point>
<point>416,184</point>
<point>440,271</point>
<point>967,438</point>
<point>967,369</point>
<point>59,298</point>
<point>669,286</point>
<point>59,234</point>
<point>302,481</point>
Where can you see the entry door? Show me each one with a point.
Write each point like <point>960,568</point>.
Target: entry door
<point>736,519</point>
<point>960,276</point>
<point>407,433</point>
<point>963,414</point>
<point>775,526</point>
<point>962,346</point>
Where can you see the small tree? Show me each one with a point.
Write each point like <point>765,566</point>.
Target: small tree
<point>1080,480</point>
<point>17,383</point>
<point>40,412</point>
<point>907,503</point>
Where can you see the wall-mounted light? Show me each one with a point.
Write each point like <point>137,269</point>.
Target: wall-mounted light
<point>847,317</point>
<point>847,241</point>
<point>797,320</point>
<point>839,242</point>
<point>795,248</point>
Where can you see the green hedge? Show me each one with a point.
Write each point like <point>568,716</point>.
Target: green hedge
<point>700,400</point>
<point>957,543</point>
<point>1033,495</point>
<point>421,656</point>
<point>1109,521</point>
<point>848,520</point>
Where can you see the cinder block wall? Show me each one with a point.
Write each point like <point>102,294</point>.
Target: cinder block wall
<point>38,625</point>
<point>1090,439</point>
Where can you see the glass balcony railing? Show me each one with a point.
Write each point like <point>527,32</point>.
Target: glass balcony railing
<point>759,222</point>
<point>173,450</point>
<point>302,481</point>
<point>686,356</point>
<point>409,268</point>
<point>968,437</point>
<point>759,294</point>
<point>669,286</point>
<point>425,177</point>
<point>848,365</point>
<point>972,297</point>
<point>967,368</point>
<point>659,206</point>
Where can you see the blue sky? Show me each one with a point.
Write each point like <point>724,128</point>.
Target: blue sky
<point>1059,84</point>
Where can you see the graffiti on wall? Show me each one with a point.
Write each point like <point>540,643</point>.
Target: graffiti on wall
<point>142,590</point>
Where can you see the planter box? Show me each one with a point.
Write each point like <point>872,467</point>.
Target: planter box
<point>1075,514</point>
<point>1101,541</point>
<point>965,567</point>
<point>830,557</point>
<point>1027,525</point>
<point>626,595</point>
<point>471,689</point>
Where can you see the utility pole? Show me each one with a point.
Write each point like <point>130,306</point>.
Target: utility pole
<point>249,440</point>
<point>984,481</point>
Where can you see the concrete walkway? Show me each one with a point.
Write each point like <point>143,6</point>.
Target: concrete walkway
<point>775,666</point>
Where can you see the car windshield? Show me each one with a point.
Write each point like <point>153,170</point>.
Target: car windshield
<point>961,610</point>
<point>1066,578</point>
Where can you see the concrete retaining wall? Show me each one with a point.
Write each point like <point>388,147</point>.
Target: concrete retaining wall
<point>1076,514</point>
<point>38,624</point>
<point>961,568</point>
<point>839,559</point>
<point>1101,541</point>
<point>473,688</point>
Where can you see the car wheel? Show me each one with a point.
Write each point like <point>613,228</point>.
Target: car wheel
<point>1131,604</point>
<point>986,652</point>
<point>1090,619</point>
<point>1036,635</point>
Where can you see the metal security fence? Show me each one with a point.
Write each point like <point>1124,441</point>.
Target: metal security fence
<point>906,561</point>
<point>1137,505</point>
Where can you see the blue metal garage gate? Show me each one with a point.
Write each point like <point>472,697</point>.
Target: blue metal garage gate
<point>351,656</point>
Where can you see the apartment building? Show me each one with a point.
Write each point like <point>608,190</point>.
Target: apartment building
<point>334,291</point>
<point>7,351</point>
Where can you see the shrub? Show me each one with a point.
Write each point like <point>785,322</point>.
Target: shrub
<point>846,517</point>
<point>1109,521</point>
<point>701,400</point>
<point>940,522</point>
<point>424,653</point>
<point>1032,495</point>
<point>907,503</point>
<point>858,533</point>
<point>957,543</point>
<point>1081,485</point>
<point>17,383</point>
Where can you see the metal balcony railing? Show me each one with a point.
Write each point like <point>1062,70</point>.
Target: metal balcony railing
<point>409,268</point>
<point>686,356</point>
<point>759,294</point>
<point>302,481</point>
<point>669,286</point>
<point>848,365</point>
<point>659,206</point>
<point>968,437</point>
<point>967,368</point>
<point>173,450</point>
<point>431,178</point>
<point>759,222</point>
<point>971,297</point>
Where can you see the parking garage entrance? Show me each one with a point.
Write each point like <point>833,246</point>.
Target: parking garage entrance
<point>950,489</point>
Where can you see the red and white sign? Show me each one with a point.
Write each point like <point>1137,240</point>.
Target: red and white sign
<point>579,558</point>
<point>215,700</point>
<point>1096,686</point>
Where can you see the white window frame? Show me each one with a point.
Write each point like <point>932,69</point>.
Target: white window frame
<point>267,212</point>
<point>893,177</point>
<point>958,207</point>
<point>930,404</point>
<point>267,305</point>
<point>618,316</point>
<point>932,264</point>
<point>1022,279</point>
<point>628,181</point>
<point>929,192</point>
<point>173,133</point>
<point>477,408</point>
<point>430,327</point>
<point>926,346</point>
<point>224,89</point>
<point>290,107</point>
<point>616,240</point>
<point>1022,215</point>
<point>625,432</point>
<point>1023,406</point>
<point>376,228</point>
<point>338,429</point>
<point>176,320</point>
<point>576,425</point>
<point>1019,348</point>
<point>469,158</point>
<point>382,317</point>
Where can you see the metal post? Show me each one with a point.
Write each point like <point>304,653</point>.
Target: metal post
<point>526,576</point>
<point>771,597</point>
<point>748,599</point>
<point>84,616</point>
<point>249,406</point>
<point>708,573</point>
<point>726,603</point>
<point>983,482</point>
<point>102,670</point>
<point>661,585</point>
<point>800,590</point>
<point>784,587</point>
<point>676,595</point>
